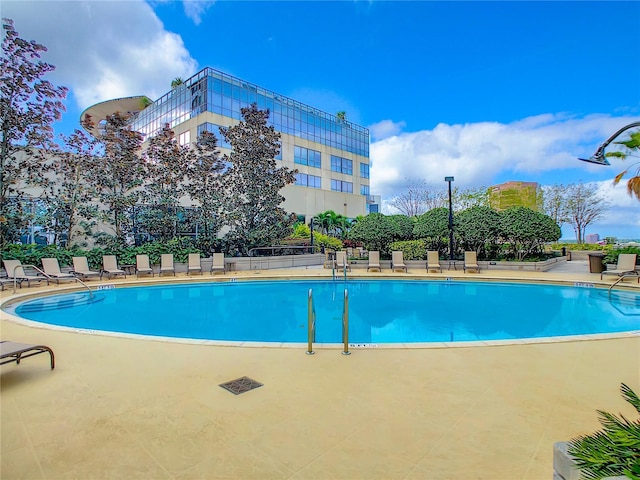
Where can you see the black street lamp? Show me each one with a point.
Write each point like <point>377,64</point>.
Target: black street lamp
<point>598,158</point>
<point>449,180</point>
<point>311,228</point>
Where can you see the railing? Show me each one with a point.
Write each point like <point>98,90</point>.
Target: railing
<point>48,277</point>
<point>345,323</point>
<point>311,328</point>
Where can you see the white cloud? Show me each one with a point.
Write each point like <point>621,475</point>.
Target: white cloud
<point>104,50</point>
<point>385,129</point>
<point>194,9</point>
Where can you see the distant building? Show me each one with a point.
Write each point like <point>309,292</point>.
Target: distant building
<point>592,238</point>
<point>515,194</point>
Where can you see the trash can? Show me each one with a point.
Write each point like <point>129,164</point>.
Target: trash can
<point>595,263</point>
<point>564,251</point>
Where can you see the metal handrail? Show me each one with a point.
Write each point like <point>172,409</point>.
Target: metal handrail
<point>622,277</point>
<point>345,323</point>
<point>47,276</point>
<point>311,328</point>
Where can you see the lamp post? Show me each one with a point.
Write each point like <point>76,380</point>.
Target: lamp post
<point>449,180</point>
<point>311,228</point>
<point>598,158</point>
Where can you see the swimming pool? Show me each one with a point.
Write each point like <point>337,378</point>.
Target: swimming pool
<point>380,312</point>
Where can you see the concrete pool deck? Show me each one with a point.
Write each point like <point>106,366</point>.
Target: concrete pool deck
<point>118,407</point>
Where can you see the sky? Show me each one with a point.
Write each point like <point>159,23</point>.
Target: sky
<point>486,92</point>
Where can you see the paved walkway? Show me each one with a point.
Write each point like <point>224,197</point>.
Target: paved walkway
<point>135,408</point>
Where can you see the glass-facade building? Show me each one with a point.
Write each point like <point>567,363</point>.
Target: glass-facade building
<point>331,154</point>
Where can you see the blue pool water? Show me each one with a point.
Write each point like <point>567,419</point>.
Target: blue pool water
<point>379,311</point>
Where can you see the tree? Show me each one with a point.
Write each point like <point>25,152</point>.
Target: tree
<point>478,228</point>
<point>253,183</point>
<point>632,146</point>
<point>526,230</point>
<point>29,105</point>
<point>117,175</point>
<point>463,199</point>
<point>176,82</point>
<point>165,164</point>
<point>374,231</point>
<point>554,203</point>
<point>402,227</point>
<point>584,206</point>
<point>419,198</point>
<point>326,221</point>
<point>68,195</point>
<point>433,226</point>
<point>204,186</point>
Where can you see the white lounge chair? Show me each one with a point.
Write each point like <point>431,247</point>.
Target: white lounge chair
<point>142,265</point>
<point>433,261</point>
<point>110,266</point>
<point>16,273</point>
<point>51,268</point>
<point>341,262</point>
<point>166,264</point>
<point>217,264</point>
<point>626,266</point>
<point>374,260</point>
<point>194,263</point>
<point>471,262</point>
<point>397,261</point>
<point>81,268</point>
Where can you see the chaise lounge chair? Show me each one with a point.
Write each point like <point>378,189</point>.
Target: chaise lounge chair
<point>81,268</point>
<point>341,262</point>
<point>194,263</point>
<point>166,264</point>
<point>433,262</point>
<point>51,268</point>
<point>397,261</point>
<point>374,260</point>
<point>142,265</point>
<point>16,273</point>
<point>626,266</point>
<point>471,262</point>
<point>15,352</point>
<point>217,264</point>
<point>110,266</point>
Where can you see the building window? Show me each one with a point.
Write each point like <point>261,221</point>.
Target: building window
<point>372,208</point>
<point>184,138</point>
<point>341,165</point>
<point>306,156</point>
<point>340,186</point>
<point>364,190</point>
<point>310,181</point>
<point>364,170</point>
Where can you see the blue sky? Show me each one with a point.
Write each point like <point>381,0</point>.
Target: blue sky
<point>485,91</point>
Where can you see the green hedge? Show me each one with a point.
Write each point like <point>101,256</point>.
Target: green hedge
<point>612,255</point>
<point>411,249</point>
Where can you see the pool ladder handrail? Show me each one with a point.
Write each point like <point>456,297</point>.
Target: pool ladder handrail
<point>345,323</point>
<point>621,278</point>
<point>311,326</point>
<point>48,277</point>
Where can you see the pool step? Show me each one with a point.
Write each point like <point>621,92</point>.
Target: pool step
<point>53,303</point>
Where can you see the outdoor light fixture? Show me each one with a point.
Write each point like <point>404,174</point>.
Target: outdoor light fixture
<point>449,180</point>
<point>598,158</point>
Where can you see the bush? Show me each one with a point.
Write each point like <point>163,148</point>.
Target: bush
<point>411,249</point>
<point>613,451</point>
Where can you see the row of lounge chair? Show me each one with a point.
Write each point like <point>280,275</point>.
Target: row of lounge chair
<point>341,261</point>
<point>51,268</point>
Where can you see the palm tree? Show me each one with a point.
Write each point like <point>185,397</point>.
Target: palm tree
<point>176,82</point>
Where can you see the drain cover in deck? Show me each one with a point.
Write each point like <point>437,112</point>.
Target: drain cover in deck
<point>240,385</point>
